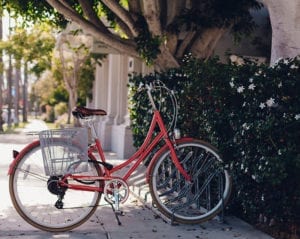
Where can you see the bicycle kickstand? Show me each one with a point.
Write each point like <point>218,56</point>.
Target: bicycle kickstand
<point>116,212</point>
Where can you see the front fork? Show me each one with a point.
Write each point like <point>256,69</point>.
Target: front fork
<point>176,161</point>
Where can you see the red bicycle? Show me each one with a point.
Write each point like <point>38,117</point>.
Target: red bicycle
<point>57,181</point>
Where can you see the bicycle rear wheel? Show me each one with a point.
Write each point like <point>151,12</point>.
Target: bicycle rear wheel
<point>36,196</point>
<point>186,202</point>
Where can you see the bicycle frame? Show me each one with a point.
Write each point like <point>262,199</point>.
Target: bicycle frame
<point>148,145</point>
<point>142,153</point>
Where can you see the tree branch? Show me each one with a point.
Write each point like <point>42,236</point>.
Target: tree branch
<point>205,43</point>
<point>134,7</point>
<point>174,8</point>
<point>124,28</point>
<point>91,15</point>
<point>152,15</point>
<point>122,45</point>
<point>165,59</point>
<point>67,5</point>
<point>122,14</point>
<point>185,44</point>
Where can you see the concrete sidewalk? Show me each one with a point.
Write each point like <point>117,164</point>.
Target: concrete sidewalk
<point>140,220</point>
<point>24,135</point>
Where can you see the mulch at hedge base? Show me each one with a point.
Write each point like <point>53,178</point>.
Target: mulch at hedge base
<point>281,231</point>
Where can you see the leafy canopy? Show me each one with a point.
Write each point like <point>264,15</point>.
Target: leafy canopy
<point>161,32</point>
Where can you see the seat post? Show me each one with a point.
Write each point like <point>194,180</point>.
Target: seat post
<point>92,127</point>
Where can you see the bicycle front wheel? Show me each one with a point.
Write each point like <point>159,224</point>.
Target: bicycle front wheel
<point>196,201</point>
<point>40,201</point>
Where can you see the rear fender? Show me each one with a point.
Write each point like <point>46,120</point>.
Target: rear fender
<point>160,152</point>
<point>17,156</point>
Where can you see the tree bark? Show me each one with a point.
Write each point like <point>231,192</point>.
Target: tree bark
<point>285,21</point>
<point>205,43</point>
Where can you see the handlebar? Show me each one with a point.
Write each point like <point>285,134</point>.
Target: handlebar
<point>152,88</point>
<point>149,87</point>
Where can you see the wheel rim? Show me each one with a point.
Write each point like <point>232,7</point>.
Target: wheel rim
<point>36,204</point>
<point>178,199</point>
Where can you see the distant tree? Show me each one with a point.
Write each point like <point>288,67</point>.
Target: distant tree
<point>31,48</point>
<point>75,64</point>
<point>1,76</point>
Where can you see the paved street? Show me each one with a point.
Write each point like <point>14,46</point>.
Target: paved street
<point>138,220</point>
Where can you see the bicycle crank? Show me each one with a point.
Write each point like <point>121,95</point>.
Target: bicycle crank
<point>116,191</point>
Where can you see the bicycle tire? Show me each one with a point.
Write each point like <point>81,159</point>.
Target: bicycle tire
<point>32,199</point>
<point>190,202</point>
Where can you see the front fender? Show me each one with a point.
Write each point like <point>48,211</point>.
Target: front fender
<point>159,153</point>
<point>21,154</point>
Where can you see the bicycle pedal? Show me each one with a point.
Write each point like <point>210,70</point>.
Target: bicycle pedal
<point>59,204</point>
<point>119,213</point>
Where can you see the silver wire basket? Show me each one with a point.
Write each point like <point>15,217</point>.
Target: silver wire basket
<point>64,151</point>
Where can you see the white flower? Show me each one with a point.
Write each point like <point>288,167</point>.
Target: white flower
<point>279,152</point>
<point>251,80</point>
<point>280,85</point>
<point>141,86</point>
<point>233,58</point>
<point>270,102</point>
<point>245,126</point>
<point>278,60</point>
<point>260,167</point>
<point>231,84</point>
<point>297,116</point>
<point>258,73</point>
<point>294,66</point>
<point>251,86</point>
<point>240,89</point>
<point>262,105</point>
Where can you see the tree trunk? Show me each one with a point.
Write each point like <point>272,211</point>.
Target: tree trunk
<point>1,80</point>
<point>285,21</point>
<point>16,96</point>
<point>25,93</point>
<point>9,91</point>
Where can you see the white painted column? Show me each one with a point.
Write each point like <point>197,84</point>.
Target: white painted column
<point>113,81</point>
<point>122,142</point>
<point>100,94</point>
<point>122,91</point>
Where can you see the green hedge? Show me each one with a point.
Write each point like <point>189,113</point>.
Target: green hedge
<point>252,114</point>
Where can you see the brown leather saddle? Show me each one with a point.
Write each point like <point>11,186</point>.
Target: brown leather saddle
<point>83,112</point>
